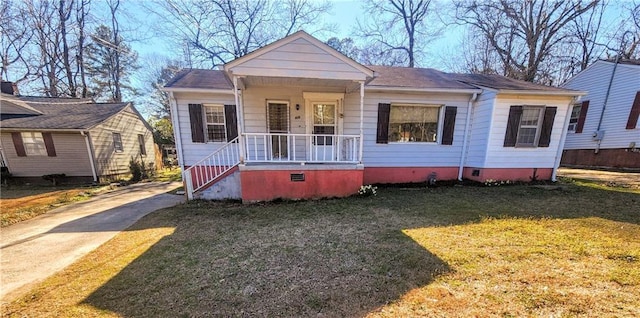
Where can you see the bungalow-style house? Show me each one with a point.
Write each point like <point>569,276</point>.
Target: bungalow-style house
<point>297,119</point>
<point>604,130</point>
<point>86,141</point>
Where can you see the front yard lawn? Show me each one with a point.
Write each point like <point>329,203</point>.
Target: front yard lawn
<point>23,202</point>
<point>509,251</point>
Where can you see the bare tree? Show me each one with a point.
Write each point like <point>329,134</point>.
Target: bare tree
<point>398,26</point>
<point>15,36</point>
<point>217,31</point>
<point>627,41</point>
<point>523,34</point>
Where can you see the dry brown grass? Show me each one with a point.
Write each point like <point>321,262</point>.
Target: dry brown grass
<point>19,203</point>
<point>445,252</point>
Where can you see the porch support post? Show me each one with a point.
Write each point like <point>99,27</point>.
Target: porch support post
<point>239,112</point>
<point>361,121</point>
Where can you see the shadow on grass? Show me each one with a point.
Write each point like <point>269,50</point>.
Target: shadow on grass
<point>342,257</point>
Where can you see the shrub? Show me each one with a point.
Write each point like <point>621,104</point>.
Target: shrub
<point>137,170</point>
<point>54,178</point>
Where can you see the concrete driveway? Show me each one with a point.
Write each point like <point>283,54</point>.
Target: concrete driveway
<point>33,250</point>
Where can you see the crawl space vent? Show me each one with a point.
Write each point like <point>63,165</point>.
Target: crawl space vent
<point>297,177</point>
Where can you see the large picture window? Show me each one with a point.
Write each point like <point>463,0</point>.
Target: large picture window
<point>34,144</point>
<point>214,116</point>
<point>413,123</point>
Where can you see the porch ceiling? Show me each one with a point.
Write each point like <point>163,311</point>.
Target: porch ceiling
<point>255,81</point>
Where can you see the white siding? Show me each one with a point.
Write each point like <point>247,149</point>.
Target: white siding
<point>480,125</point>
<point>129,125</point>
<point>194,152</point>
<point>499,156</point>
<point>71,158</point>
<point>299,58</point>
<point>406,154</point>
<point>595,81</point>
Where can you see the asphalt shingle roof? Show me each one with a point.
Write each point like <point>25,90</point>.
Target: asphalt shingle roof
<point>385,76</point>
<point>56,113</point>
<point>196,78</point>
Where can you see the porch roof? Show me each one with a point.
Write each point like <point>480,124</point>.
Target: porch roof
<point>200,79</point>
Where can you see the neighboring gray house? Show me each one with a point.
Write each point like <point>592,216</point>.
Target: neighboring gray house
<point>604,130</point>
<point>84,140</point>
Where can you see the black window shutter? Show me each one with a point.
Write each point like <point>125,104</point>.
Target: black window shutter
<point>513,124</point>
<point>231,120</point>
<point>449,124</point>
<point>382,136</point>
<point>48,143</point>
<point>547,126</point>
<point>17,143</point>
<point>634,113</point>
<point>582,117</point>
<point>197,125</point>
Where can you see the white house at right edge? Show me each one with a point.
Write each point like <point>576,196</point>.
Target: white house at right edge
<point>604,130</point>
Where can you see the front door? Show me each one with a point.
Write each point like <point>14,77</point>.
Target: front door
<point>278,122</point>
<point>324,130</point>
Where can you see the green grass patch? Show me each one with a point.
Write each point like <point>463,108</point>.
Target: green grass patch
<point>451,251</point>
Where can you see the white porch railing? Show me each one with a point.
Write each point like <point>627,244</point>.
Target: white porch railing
<point>300,148</point>
<point>209,169</point>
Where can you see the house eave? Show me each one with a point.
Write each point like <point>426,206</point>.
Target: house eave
<point>424,90</point>
<point>9,129</point>
<point>540,93</point>
<point>197,90</point>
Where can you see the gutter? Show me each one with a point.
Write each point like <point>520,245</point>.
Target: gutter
<point>85,134</point>
<point>176,130</point>
<point>542,93</point>
<point>465,140</point>
<point>198,90</point>
<point>563,138</point>
<point>423,90</point>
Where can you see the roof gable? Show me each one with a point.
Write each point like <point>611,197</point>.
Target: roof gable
<point>298,55</point>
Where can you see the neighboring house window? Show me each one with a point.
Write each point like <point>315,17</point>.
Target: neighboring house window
<point>33,143</point>
<point>575,115</point>
<point>143,149</point>
<point>214,116</point>
<point>117,142</point>
<point>634,114</point>
<point>529,126</point>
<point>413,123</point>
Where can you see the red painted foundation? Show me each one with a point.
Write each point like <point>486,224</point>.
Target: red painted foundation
<point>384,175</point>
<point>266,185</point>
<point>511,174</point>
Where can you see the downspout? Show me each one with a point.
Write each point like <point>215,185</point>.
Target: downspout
<point>465,139</point>
<point>85,134</point>
<point>361,121</point>
<point>563,138</point>
<point>604,106</point>
<point>173,103</point>
<point>240,120</point>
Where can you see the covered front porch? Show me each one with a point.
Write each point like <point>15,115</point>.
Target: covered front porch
<point>295,129</point>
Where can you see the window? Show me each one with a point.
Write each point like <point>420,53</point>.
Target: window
<point>143,149</point>
<point>214,117</point>
<point>528,131</point>
<point>413,123</point>
<point>324,123</point>
<point>117,142</point>
<point>34,144</point>
<point>575,116</point>
<point>529,126</point>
